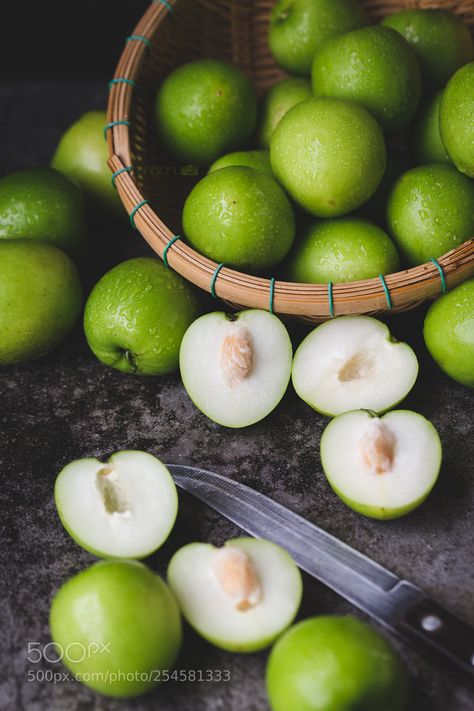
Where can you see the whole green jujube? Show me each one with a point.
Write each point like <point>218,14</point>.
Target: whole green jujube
<point>241,217</point>
<point>341,250</point>
<point>430,211</point>
<point>456,119</point>
<point>136,316</point>
<point>279,99</point>
<point>440,38</point>
<point>426,142</point>
<point>204,109</point>
<point>449,332</point>
<point>374,67</point>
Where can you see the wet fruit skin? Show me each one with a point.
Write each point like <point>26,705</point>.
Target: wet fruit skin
<point>240,216</point>
<point>123,620</point>
<point>430,211</point>
<point>136,317</point>
<point>298,27</point>
<point>42,204</point>
<point>204,109</point>
<point>40,299</point>
<point>426,142</point>
<point>449,332</point>
<point>374,67</point>
<point>259,160</point>
<point>82,156</point>
<point>457,119</point>
<point>341,250</point>
<point>335,664</point>
<point>441,40</point>
<point>278,100</point>
<point>329,155</point>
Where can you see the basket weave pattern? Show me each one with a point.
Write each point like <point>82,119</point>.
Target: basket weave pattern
<point>176,31</point>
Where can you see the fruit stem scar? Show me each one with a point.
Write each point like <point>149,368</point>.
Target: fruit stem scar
<point>237,577</point>
<point>113,496</point>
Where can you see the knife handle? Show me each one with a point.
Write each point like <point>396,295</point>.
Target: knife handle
<point>426,624</point>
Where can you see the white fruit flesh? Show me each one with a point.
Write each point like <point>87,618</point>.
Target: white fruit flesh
<point>386,463</point>
<point>240,596</point>
<point>124,508</point>
<point>236,370</point>
<point>351,363</point>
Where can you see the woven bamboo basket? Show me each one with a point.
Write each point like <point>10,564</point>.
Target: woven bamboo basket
<point>153,189</point>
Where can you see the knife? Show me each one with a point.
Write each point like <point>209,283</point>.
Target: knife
<point>397,604</point>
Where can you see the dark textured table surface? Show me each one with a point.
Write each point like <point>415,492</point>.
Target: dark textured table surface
<point>68,405</point>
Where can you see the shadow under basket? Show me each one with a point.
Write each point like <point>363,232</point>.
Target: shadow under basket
<point>153,189</point>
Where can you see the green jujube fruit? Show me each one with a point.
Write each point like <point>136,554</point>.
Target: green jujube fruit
<point>298,27</point>
<point>117,627</point>
<point>441,40</point>
<point>456,119</point>
<point>42,204</point>
<point>374,67</point>
<point>204,109</point>
<point>342,250</point>
<point>278,100</point>
<point>449,332</point>
<point>260,160</point>
<point>375,209</point>
<point>82,155</point>
<point>241,217</point>
<point>426,142</point>
<point>136,316</point>
<point>430,211</point>
<point>335,664</point>
<point>40,299</point>
<point>329,155</point>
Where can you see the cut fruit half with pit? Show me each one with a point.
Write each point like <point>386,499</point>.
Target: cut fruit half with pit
<point>236,367</point>
<point>124,508</point>
<point>381,467</point>
<point>239,597</point>
<point>350,363</point>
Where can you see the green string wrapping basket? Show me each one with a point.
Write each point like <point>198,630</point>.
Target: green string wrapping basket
<point>153,189</point>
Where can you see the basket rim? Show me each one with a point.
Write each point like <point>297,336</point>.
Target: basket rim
<point>392,292</point>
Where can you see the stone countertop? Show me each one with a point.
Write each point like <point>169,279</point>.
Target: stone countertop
<point>67,405</point>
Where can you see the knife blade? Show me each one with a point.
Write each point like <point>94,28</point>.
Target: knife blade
<point>397,604</point>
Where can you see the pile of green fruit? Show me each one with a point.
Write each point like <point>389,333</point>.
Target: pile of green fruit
<point>336,142</point>
<point>117,625</point>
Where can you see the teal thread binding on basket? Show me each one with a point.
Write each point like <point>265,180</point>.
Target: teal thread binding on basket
<point>139,38</point>
<point>441,274</point>
<point>213,280</point>
<point>387,293</point>
<point>330,299</point>
<point>134,212</point>
<point>165,251</point>
<point>166,4</point>
<point>111,124</point>
<point>121,80</point>
<point>126,169</point>
<point>272,293</point>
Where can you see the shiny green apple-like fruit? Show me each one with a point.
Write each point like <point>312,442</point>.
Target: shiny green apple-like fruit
<point>204,109</point>
<point>456,119</point>
<point>116,626</point>
<point>42,204</point>
<point>341,250</point>
<point>335,664</point>
<point>136,316</point>
<point>82,156</point>
<point>241,217</point>
<point>40,299</point>
<point>329,155</point>
<point>449,332</point>
<point>260,160</point>
<point>279,99</point>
